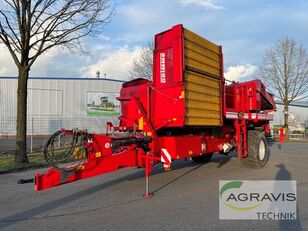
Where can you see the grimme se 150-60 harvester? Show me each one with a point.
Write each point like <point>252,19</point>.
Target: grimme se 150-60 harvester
<point>187,111</point>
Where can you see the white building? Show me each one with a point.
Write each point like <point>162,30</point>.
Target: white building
<point>54,103</point>
<point>298,115</point>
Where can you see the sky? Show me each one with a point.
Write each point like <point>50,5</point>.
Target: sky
<point>244,28</point>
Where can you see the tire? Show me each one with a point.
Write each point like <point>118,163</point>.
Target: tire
<point>258,153</point>
<point>202,159</point>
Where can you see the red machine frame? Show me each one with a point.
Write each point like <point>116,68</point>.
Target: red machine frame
<point>146,140</point>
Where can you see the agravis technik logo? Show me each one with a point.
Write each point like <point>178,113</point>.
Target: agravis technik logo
<point>257,200</point>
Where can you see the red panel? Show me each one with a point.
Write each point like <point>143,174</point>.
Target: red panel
<point>168,108</point>
<point>180,147</point>
<point>167,104</point>
<point>130,113</point>
<point>168,58</point>
<point>246,97</point>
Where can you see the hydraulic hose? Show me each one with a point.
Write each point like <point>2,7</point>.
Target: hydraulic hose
<point>59,149</point>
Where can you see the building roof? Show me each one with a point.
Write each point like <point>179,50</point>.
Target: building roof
<point>65,78</point>
<point>295,104</point>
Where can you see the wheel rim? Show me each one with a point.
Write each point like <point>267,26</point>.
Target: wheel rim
<point>261,150</point>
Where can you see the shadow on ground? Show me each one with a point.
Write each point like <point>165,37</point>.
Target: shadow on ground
<point>284,174</point>
<point>33,213</point>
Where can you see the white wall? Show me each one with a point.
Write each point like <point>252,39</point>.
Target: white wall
<point>55,102</point>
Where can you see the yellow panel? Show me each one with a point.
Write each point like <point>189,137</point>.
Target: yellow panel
<point>199,79</point>
<point>203,51</point>
<point>203,105</point>
<point>202,97</point>
<point>98,154</point>
<point>202,59</point>
<point>202,122</point>
<point>200,41</point>
<point>202,89</point>
<point>140,123</point>
<point>195,113</point>
<point>202,67</point>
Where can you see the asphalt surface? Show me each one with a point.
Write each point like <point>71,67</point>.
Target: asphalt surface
<point>186,198</point>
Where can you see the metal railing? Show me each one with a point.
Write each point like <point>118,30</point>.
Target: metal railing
<point>40,129</point>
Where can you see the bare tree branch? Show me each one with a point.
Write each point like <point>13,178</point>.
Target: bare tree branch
<point>284,69</point>
<point>143,64</point>
<point>29,28</point>
<point>35,28</point>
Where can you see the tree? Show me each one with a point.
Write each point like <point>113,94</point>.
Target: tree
<point>29,28</point>
<point>143,63</point>
<point>284,70</point>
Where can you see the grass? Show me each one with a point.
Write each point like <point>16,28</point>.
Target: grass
<point>36,160</point>
<point>7,163</point>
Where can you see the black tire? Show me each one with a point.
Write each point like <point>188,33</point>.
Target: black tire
<point>257,155</point>
<point>203,158</point>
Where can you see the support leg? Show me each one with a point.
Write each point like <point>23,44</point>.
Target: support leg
<point>148,170</point>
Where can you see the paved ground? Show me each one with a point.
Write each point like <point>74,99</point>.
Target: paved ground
<point>185,198</point>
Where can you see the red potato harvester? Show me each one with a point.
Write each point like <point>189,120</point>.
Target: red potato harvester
<point>187,111</point>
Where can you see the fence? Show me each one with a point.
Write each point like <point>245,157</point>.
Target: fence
<point>40,129</point>
<point>297,131</point>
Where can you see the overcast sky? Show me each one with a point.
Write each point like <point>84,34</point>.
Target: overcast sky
<point>244,28</point>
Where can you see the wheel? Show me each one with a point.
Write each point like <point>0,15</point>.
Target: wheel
<point>202,159</point>
<point>258,153</point>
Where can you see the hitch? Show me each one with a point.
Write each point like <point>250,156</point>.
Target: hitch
<point>25,181</point>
